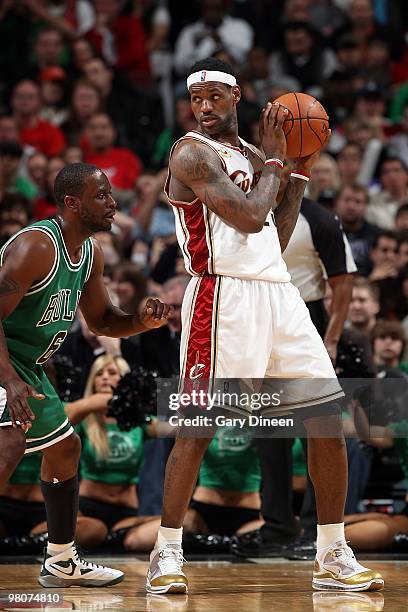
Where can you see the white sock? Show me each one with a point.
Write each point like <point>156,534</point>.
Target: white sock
<point>167,535</point>
<point>56,549</point>
<point>327,535</point>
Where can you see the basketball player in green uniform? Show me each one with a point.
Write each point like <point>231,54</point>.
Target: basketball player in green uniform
<point>46,271</point>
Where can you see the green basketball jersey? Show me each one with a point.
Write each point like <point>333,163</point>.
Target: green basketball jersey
<point>38,326</point>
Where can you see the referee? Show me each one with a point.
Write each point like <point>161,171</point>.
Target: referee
<point>317,253</point>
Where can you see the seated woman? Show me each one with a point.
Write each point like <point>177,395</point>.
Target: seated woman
<point>374,530</point>
<point>21,501</point>
<point>227,499</point>
<point>110,463</point>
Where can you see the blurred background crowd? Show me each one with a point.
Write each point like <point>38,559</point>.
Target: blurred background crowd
<point>103,81</point>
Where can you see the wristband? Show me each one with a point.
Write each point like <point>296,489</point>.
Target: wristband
<point>274,161</point>
<point>300,175</point>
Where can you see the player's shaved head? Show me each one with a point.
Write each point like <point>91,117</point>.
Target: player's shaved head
<point>71,180</point>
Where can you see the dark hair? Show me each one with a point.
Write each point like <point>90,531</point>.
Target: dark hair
<point>393,159</point>
<point>131,273</point>
<point>70,180</point>
<point>298,26</point>
<point>384,234</point>
<point>12,200</point>
<point>212,63</point>
<point>394,329</point>
<point>402,210</point>
<point>11,149</point>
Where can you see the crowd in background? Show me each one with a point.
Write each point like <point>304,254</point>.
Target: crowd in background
<point>103,82</point>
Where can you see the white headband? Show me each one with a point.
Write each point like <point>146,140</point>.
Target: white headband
<point>211,75</point>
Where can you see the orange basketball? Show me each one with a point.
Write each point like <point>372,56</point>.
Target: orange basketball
<point>307,125</point>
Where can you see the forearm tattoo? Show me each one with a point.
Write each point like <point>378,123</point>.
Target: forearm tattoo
<point>287,213</point>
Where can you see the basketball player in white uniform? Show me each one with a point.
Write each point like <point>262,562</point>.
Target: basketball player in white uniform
<point>242,318</point>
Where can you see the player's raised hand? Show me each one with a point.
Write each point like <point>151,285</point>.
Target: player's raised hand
<point>273,138</point>
<point>17,393</point>
<point>155,314</point>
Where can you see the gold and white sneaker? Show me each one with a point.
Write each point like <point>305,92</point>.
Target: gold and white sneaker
<point>337,568</point>
<point>165,574</point>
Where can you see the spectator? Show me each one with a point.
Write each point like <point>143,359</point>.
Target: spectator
<point>34,131</point>
<point>349,164</point>
<point>136,115</point>
<point>10,182</point>
<point>110,462</point>
<point>16,207</point>
<point>371,103</point>
<point>37,171</point>
<point>161,348</point>
<point>81,52</point>
<point>351,204</point>
<point>362,23</point>
<point>361,130</point>
<point>130,286</point>
<point>45,206</point>
<point>383,256</point>
<point>376,66</point>
<point>73,155</point>
<point>121,40</point>
<point>156,221</point>
<point>388,340</point>
<point>375,530</point>
<point>302,58</point>
<point>215,31</point>
<point>392,194</point>
<point>85,102</point>
<point>324,178</point>
<point>120,164</point>
<point>111,247</point>
<point>53,94</point>
<point>184,122</point>
<point>227,497</point>
<point>346,80</point>
<point>48,48</point>
<point>402,257</point>
<point>401,218</point>
<point>364,306</point>
<point>156,20</point>
<point>70,18</point>
<point>398,145</point>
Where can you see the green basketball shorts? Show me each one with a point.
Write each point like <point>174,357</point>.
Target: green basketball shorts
<point>51,424</point>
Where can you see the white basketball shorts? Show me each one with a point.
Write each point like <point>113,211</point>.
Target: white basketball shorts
<point>249,329</point>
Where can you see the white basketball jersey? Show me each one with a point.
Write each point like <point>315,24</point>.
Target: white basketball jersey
<point>209,244</point>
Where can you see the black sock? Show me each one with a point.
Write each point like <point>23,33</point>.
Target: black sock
<point>61,504</point>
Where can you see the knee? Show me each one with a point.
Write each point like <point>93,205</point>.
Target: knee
<point>73,446</point>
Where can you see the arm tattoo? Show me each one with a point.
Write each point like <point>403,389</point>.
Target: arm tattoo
<point>287,213</point>
<point>8,287</point>
<point>201,172</point>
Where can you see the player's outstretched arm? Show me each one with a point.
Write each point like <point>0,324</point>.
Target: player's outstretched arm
<point>105,319</point>
<point>28,259</point>
<point>196,167</point>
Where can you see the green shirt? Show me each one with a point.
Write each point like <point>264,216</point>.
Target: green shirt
<point>36,329</point>
<point>231,462</point>
<point>122,465</point>
<point>401,443</point>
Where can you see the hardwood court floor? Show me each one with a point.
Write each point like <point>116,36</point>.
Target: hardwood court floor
<point>263,585</point>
